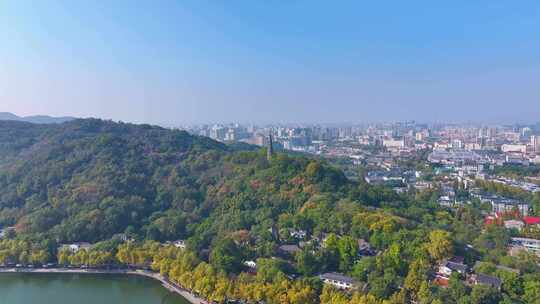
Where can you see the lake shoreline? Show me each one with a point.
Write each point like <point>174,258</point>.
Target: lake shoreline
<point>190,297</point>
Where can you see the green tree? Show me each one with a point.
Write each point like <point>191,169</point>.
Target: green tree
<point>424,294</point>
<point>226,256</point>
<point>457,289</point>
<point>511,283</point>
<point>348,252</point>
<point>532,292</point>
<point>363,267</point>
<point>306,262</point>
<point>482,294</point>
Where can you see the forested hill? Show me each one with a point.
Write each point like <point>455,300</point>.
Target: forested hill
<point>296,216</point>
<point>88,179</point>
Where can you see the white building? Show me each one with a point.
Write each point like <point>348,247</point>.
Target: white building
<point>514,148</point>
<point>447,267</point>
<point>180,244</point>
<point>514,224</point>
<point>251,264</point>
<point>297,234</point>
<point>508,205</point>
<point>394,143</point>
<point>531,245</point>
<point>457,144</point>
<point>453,157</point>
<point>338,280</point>
<point>535,143</point>
<point>76,247</point>
<point>4,232</point>
<point>472,146</point>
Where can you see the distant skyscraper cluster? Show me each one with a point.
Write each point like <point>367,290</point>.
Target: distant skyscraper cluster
<point>518,144</point>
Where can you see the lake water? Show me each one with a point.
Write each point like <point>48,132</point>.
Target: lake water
<point>20,288</point>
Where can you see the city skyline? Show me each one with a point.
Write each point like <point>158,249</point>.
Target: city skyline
<point>48,118</point>
<point>204,62</point>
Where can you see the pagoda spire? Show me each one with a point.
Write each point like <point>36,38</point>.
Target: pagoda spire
<point>270,149</point>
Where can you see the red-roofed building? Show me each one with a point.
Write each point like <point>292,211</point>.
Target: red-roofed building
<point>532,220</point>
<point>443,282</point>
<point>496,219</point>
<point>490,220</point>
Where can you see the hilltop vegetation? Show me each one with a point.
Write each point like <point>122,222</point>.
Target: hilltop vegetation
<point>90,180</point>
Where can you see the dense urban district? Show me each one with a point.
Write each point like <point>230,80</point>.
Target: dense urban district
<point>396,213</point>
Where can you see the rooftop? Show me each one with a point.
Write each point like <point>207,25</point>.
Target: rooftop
<point>488,280</point>
<point>455,266</point>
<point>289,248</point>
<point>532,220</point>
<point>337,277</point>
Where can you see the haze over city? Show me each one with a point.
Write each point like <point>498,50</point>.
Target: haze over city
<point>289,61</point>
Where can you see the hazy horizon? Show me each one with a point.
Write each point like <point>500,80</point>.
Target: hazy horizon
<point>260,62</point>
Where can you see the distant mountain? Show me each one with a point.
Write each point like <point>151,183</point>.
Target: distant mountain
<point>37,119</point>
<point>9,116</point>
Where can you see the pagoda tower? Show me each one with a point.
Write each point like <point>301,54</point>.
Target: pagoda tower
<point>270,149</point>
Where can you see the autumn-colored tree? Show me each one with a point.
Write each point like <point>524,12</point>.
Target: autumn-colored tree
<point>416,277</point>
<point>424,294</point>
<point>440,245</point>
<point>331,295</point>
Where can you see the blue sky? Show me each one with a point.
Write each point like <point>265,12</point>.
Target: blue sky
<point>272,61</point>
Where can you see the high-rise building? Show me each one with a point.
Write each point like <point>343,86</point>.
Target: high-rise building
<point>526,132</point>
<point>457,144</point>
<point>535,143</point>
<point>218,132</point>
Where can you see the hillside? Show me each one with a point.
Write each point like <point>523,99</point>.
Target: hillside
<point>294,216</point>
<point>89,179</point>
